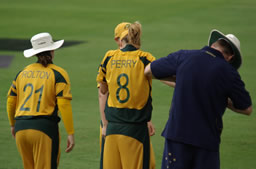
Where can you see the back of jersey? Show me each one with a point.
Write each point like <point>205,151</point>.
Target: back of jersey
<point>129,90</point>
<point>37,88</point>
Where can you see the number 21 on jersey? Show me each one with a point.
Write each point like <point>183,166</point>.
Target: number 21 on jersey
<point>30,88</point>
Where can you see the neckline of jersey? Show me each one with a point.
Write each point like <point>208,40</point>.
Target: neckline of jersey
<point>128,48</point>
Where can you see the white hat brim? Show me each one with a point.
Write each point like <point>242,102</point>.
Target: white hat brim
<point>31,52</point>
<point>216,35</point>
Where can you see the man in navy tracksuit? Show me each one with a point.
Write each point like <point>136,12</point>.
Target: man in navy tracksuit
<point>207,81</point>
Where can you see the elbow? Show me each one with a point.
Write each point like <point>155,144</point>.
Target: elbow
<point>103,92</point>
<point>147,71</point>
<point>103,88</point>
<point>247,111</point>
<point>100,93</point>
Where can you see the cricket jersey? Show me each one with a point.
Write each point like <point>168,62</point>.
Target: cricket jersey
<point>129,97</point>
<point>34,98</point>
<point>128,108</point>
<point>38,89</point>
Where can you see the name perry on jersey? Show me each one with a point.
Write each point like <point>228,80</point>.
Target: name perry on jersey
<point>123,63</point>
<point>36,74</point>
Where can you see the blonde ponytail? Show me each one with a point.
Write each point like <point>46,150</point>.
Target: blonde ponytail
<point>134,33</point>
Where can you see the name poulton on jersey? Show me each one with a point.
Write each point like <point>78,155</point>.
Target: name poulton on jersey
<point>36,74</point>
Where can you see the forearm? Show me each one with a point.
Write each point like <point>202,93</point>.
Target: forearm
<point>169,79</point>
<point>65,108</point>
<point>102,104</point>
<point>11,108</point>
<point>246,111</point>
<point>169,83</point>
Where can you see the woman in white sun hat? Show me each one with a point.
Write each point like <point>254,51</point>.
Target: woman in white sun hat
<point>36,95</point>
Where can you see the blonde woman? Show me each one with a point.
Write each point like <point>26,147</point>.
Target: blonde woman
<point>128,107</point>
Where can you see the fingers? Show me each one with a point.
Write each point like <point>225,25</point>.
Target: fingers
<point>103,135</point>
<point>151,128</point>
<point>70,143</point>
<point>69,148</point>
<point>152,131</point>
<point>13,132</point>
<point>104,130</point>
<point>13,135</point>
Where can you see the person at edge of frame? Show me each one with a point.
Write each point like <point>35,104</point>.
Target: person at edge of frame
<point>207,82</point>
<point>36,95</point>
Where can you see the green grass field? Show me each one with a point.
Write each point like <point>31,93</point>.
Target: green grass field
<point>168,25</point>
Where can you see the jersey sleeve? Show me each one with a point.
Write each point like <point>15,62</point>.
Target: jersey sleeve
<point>11,108</point>
<point>165,66</point>
<point>12,91</point>
<point>238,94</point>
<point>63,86</point>
<point>146,58</point>
<point>65,108</point>
<point>98,84</point>
<point>11,102</point>
<point>101,77</point>
<point>151,58</point>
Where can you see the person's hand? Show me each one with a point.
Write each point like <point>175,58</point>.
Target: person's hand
<point>70,143</point>
<point>104,131</point>
<point>151,128</point>
<point>13,132</point>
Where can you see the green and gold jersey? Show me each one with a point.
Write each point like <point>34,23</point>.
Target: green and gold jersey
<point>37,89</point>
<point>129,90</point>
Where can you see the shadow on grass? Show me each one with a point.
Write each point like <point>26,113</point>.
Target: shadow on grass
<point>7,44</point>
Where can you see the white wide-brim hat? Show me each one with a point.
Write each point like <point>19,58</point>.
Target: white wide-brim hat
<point>40,43</point>
<point>234,43</point>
